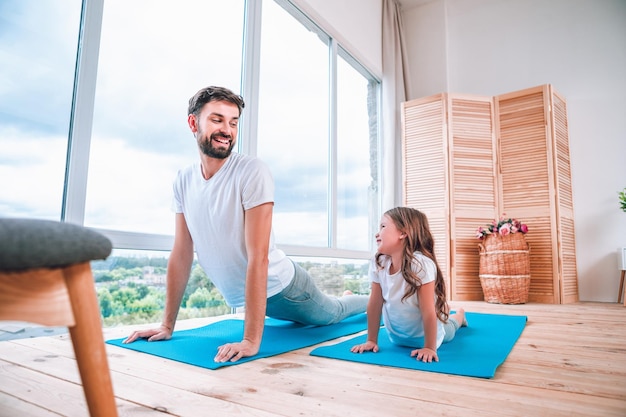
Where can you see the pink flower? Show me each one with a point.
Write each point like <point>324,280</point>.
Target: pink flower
<point>503,227</point>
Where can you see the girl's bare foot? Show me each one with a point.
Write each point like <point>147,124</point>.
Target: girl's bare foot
<point>459,316</point>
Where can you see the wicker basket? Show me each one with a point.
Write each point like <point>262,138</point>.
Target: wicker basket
<point>504,268</point>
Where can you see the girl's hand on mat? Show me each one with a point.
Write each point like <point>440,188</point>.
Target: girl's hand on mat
<point>425,355</point>
<point>162,333</point>
<point>365,347</point>
<point>235,351</point>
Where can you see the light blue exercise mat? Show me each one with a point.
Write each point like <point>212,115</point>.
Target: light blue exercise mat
<point>199,346</point>
<point>476,351</point>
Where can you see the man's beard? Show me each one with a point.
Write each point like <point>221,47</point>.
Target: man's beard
<point>207,148</point>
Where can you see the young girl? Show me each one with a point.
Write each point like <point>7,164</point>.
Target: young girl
<point>408,288</point>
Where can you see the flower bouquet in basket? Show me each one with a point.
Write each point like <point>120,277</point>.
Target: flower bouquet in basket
<point>504,268</point>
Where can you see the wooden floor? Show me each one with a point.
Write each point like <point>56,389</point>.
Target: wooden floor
<point>569,361</point>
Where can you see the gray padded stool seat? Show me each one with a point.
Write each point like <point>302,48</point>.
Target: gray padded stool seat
<point>46,278</point>
<point>29,244</point>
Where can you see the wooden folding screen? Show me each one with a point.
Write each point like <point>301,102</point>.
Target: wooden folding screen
<point>449,174</point>
<point>535,185</point>
<point>425,167</point>
<point>473,191</point>
<point>468,159</point>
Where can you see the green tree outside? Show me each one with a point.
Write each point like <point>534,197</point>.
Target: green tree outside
<point>132,290</point>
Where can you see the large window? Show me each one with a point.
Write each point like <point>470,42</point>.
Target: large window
<point>38,42</point>
<point>93,123</point>
<point>318,131</point>
<point>93,128</point>
<point>154,55</point>
<point>357,157</point>
<point>293,125</point>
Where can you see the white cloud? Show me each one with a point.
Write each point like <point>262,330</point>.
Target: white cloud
<point>32,171</point>
<point>131,189</point>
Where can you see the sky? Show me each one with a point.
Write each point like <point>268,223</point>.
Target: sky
<point>36,78</point>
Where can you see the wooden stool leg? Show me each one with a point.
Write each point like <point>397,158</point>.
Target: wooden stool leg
<point>621,288</point>
<point>88,341</point>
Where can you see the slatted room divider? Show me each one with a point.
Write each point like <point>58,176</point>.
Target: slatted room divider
<point>468,159</point>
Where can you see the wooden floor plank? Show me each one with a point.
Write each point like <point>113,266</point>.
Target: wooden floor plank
<point>11,406</point>
<point>471,393</point>
<point>42,395</point>
<point>569,361</point>
<point>144,394</point>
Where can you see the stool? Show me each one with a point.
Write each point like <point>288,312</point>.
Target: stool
<point>46,278</point>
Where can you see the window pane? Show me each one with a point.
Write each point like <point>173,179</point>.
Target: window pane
<point>293,126</point>
<point>154,56</point>
<point>334,276</point>
<point>38,41</point>
<point>356,160</point>
<point>131,289</point>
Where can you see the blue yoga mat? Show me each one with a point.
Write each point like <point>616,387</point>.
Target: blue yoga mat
<point>199,346</point>
<point>476,350</point>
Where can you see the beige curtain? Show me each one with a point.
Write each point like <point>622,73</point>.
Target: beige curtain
<point>394,91</point>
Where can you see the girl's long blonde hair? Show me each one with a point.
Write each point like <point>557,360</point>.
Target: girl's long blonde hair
<point>414,224</point>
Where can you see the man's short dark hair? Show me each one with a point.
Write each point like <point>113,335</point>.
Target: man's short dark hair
<point>208,94</point>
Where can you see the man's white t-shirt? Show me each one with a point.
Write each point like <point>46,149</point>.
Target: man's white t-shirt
<point>214,212</point>
<point>403,319</point>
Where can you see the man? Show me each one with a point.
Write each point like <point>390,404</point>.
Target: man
<point>224,209</point>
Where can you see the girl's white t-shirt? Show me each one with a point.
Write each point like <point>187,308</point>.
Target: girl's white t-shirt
<point>214,212</point>
<point>403,319</point>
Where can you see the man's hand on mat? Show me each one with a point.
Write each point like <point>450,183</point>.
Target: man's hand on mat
<point>425,355</point>
<point>235,351</point>
<point>161,333</point>
<point>365,347</point>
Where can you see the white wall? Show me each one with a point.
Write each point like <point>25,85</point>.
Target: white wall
<point>491,47</point>
<point>426,37</point>
<point>356,24</point>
